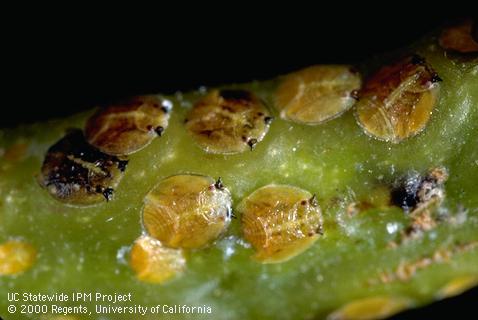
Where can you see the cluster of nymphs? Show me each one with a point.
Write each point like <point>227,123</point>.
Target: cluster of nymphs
<point>394,104</point>
<point>85,166</point>
<point>189,211</point>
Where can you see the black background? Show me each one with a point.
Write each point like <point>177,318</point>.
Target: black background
<point>55,66</point>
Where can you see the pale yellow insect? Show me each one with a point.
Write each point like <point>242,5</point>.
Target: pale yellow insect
<point>370,308</point>
<point>16,257</point>
<point>127,127</point>
<point>152,262</point>
<point>317,94</point>
<point>396,102</point>
<point>280,221</point>
<point>228,121</point>
<point>187,211</point>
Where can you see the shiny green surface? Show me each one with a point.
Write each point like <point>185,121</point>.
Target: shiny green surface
<point>86,249</point>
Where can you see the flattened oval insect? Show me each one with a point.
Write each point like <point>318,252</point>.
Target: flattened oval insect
<point>280,222</point>
<point>457,286</point>
<point>154,263</point>
<point>459,38</point>
<point>374,307</point>
<point>187,211</point>
<point>397,101</point>
<point>228,121</point>
<point>76,173</point>
<point>318,93</point>
<point>16,257</point>
<point>127,127</point>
